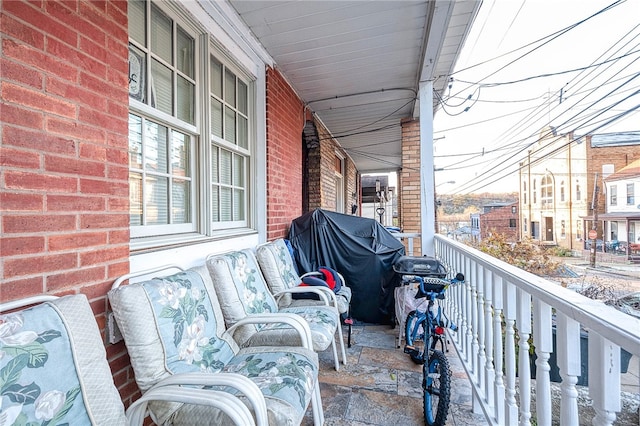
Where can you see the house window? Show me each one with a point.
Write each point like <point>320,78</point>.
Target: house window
<point>339,183</point>
<point>179,157</point>
<point>630,194</point>
<point>562,191</point>
<point>524,224</point>
<point>512,223</point>
<point>613,229</point>
<point>613,195</point>
<point>230,154</point>
<point>535,198</point>
<point>578,193</point>
<point>524,192</point>
<point>578,230</point>
<point>513,209</point>
<point>563,231</point>
<point>546,191</point>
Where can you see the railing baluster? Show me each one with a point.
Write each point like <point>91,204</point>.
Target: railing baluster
<point>604,379</point>
<point>510,305</point>
<point>482,356</point>
<point>498,387</point>
<point>524,371</point>
<point>468,314</point>
<point>474,320</point>
<point>489,373</point>
<point>567,340</point>
<point>543,344</point>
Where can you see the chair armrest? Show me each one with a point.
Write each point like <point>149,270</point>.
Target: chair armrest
<point>295,321</point>
<point>229,404</point>
<point>325,293</point>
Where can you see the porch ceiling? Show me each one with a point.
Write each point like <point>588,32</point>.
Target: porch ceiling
<point>358,64</point>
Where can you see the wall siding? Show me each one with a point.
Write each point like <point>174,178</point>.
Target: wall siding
<point>64,192</point>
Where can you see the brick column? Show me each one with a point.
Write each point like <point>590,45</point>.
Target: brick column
<point>409,182</point>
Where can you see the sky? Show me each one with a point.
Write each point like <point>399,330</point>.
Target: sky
<point>527,64</point>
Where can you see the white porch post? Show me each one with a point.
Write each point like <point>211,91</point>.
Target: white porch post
<point>427,186</point>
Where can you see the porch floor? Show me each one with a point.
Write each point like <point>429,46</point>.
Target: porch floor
<point>380,385</point>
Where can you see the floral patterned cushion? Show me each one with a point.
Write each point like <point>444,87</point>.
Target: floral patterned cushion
<point>53,367</point>
<point>243,291</point>
<point>277,266</point>
<point>174,324</point>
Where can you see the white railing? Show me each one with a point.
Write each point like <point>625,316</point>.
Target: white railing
<point>504,313</point>
<point>402,236</point>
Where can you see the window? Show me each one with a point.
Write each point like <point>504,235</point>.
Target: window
<point>535,200</point>
<point>229,127</point>
<point>578,230</point>
<point>563,230</point>
<point>546,191</point>
<point>613,230</point>
<point>524,223</point>
<point>630,194</point>
<point>180,156</point>
<point>339,183</point>
<point>613,195</point>
<point>562,198</point>
<point>514,209</point>
<point>524,192</point>
<point>512,223</point>
<point>578,194</point>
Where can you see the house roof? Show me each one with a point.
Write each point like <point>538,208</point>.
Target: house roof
<point>631,170</point>
<point>358,64</point>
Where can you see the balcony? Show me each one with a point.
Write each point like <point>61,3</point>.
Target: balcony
<point>505,315</point>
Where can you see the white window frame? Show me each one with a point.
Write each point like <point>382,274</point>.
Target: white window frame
<point>613,195</point>
<point>250,69</point>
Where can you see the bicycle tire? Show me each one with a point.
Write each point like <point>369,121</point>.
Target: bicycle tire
<point>436,388</point>
<point>411,324</point>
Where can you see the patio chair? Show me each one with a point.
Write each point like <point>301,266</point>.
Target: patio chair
<point>283,280</point>
<point>54,368</point>
<point>175,335</point>
<point>243,292</point>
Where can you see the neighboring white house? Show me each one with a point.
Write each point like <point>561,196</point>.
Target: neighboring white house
<point>622,217</point>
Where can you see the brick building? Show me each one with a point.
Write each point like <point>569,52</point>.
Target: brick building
<point>500,219</point>
<point>138,134</point>
<point>558,181</point>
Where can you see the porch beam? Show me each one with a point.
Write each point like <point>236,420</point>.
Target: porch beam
<point>427,184</point>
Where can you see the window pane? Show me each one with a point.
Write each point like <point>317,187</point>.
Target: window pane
<point>229,125</point>
<point>135,141</point>
<point>230,88</point>
<point>180,207</point>
<point>243,132</point>
<point>180,155</point>
<point>135,199</point>
<point>216,117</point>
<point>137,21</point>
<point>242,97</point>
<point>186,95</point>
<point>225,204</point>
<point>161,34</point>
<point>215,200</point>
<point>214,165</point>
<point>238,204</point>
<point>137,74</point>
<point>158,201</point>
<point>184,55</point>
<point>225,167</point>
<point>161,87</point>
<point>156,147</point>
<point>238,171</point>
<point>216,77</point>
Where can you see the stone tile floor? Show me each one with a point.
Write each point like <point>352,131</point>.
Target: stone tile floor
<point>381,386</point>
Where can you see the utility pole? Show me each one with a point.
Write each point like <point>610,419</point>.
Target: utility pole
<point>593,234</point>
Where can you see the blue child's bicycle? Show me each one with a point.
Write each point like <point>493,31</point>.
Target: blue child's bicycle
<point>426,344</point>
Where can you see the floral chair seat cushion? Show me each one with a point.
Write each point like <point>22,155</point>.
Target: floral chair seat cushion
<point>174,324</point>
<point>322,322</point>
<point>53,367</point>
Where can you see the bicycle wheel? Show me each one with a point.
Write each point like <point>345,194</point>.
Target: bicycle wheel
<point>413,334</point>
<point>436,386</point>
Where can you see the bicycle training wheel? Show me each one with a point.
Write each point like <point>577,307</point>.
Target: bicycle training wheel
<point>412,334</point>
<point>436,386</point>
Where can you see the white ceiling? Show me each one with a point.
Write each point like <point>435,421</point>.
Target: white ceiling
<point>358,64</point>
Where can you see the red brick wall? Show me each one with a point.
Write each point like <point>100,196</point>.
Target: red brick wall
<point>285,121</point>
<point>409,182</point>
<point>64,193</point>
<point>497,222</point>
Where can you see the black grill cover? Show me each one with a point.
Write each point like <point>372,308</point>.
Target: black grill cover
<point>361,249</point>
